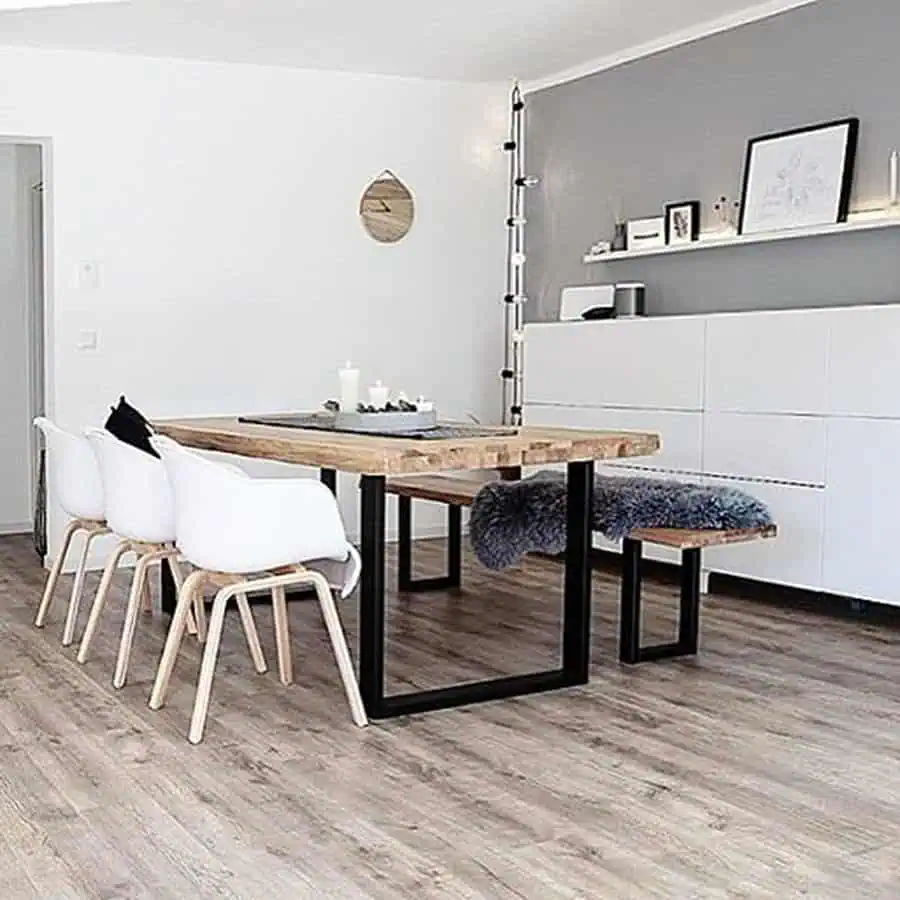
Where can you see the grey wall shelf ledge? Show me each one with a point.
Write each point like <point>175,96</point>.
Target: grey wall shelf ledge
<point>857,223</point>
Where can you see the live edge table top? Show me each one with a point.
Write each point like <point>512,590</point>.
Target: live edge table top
<point>371,455</point>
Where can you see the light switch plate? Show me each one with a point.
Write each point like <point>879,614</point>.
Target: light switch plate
<point>87,339</point>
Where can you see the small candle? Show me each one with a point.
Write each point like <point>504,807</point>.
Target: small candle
<point>349,378</point>
<point>895,174</point>
<point>378,395</point>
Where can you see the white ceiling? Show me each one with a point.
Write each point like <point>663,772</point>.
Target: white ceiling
<point>472,40</point>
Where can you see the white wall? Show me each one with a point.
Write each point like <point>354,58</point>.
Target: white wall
<point>220,205</point>
<point>15,459</point>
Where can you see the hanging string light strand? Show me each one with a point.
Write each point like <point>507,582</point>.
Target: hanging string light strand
<point>514,297</point>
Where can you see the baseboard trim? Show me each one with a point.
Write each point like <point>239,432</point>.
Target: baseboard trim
<point>833,606</point>
<point>12,528</point>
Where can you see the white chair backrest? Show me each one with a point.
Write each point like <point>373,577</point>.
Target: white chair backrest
<point>139,501</point>
<point>228,521</point>
<point>73,473</point>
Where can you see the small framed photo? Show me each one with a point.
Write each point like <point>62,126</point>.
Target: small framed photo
<point>682,222</point>
<point>799,178</point>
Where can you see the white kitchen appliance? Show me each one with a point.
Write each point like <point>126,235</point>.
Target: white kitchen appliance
<point>588,301</point>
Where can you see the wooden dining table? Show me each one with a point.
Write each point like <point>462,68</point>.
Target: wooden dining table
<point>374,459</point>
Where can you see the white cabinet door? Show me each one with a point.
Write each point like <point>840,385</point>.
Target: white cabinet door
<point>640,363</point>
<point>864,372</point>
<point>794,557</point>
<point>863,509</point>
<point>681,432</point>
<point>774,362</point>
<point>780,448</point>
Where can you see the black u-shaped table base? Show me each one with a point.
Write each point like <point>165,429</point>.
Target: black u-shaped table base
<point>576,618</point>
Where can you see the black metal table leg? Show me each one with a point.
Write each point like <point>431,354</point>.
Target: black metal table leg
<point>405,581</point>
<point>576,626</point>
<point>328,477</point>
<point>371,595</point>
<point>577,598</point>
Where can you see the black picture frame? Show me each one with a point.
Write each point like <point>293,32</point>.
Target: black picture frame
<point>672,208</point>
<point>851,123</point>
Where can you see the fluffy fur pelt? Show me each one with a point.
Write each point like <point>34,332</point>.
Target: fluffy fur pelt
<point>512,518</point>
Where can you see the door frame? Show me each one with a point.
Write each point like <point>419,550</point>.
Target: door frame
<point>40,400</point>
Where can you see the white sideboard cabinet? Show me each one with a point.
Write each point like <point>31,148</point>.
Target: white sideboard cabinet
<point>800,408</point>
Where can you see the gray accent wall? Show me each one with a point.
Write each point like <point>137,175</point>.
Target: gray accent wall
<point>675,126</point>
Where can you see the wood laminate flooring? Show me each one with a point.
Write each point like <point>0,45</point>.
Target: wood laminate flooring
<point>768,767</point>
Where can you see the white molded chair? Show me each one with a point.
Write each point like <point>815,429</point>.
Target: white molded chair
<point>76,484</point>
<point>230,525</point>
<point>140,511</point>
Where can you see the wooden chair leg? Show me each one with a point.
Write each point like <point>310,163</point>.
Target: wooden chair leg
<point>146,597</point>
<point>100,599</point>
<point>282,636</point>
<point>77,590</point>
<point>250,632</point>
<point>208,665</point>
<point>200,614</point>
<point>178,578</point>
<point>53,576</point>
<point>192,585</point>
<point>132,610</point>
<point>341,653</point>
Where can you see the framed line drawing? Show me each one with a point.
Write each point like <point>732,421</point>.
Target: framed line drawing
<point>799,178</point>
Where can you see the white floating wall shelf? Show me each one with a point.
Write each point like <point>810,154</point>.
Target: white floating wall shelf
<point>858,222</point>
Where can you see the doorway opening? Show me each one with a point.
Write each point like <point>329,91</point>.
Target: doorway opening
<point>22,343</point>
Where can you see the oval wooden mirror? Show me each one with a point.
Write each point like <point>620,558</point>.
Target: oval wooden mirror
<point>387,208</point>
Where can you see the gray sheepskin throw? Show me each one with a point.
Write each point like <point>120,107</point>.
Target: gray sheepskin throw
<point>512,518</point>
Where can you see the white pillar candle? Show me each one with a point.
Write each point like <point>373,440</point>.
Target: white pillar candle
<point>378,395</point>
<point>895,174</point>
<point>349,378</point>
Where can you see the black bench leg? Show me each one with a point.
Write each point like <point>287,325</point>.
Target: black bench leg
<point>453,579</point>
<point>630,649</point>
<point>630,613</point>
<point>454,546</point>
<point>689,618</point>
<point>404,548</point>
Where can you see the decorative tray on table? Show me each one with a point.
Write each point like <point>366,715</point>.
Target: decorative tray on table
<point>376,424</point>
<point>385,421</point>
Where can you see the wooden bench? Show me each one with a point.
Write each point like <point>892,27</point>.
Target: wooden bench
<point>459,491</point>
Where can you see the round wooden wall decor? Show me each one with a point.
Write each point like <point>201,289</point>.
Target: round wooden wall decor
<point>387,208</point>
